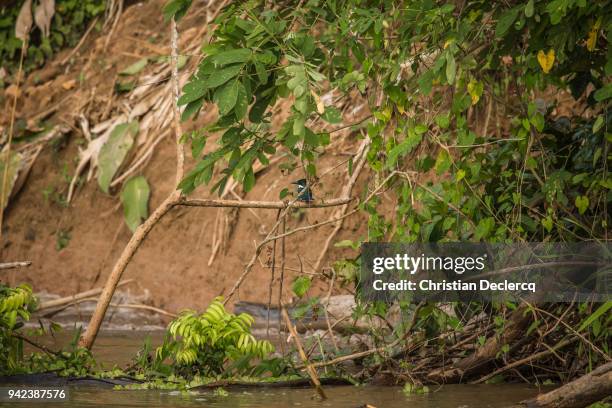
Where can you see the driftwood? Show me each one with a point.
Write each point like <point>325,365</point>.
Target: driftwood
<point>581,392</point>
<point>12,265</point>
<point>74,298</point>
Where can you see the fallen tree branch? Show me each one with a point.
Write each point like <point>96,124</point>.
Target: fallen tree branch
<point>12,265</point>
<point>70,299</point>
<point>485,354</point>
<point>309,368</point>
<point>137,306</point>
<point>526,360</point>
<point>582,392</point>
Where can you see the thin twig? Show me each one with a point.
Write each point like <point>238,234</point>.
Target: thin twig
<point>81,41</point>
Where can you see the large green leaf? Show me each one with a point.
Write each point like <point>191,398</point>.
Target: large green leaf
<point>114,152</point>
<point>242,102</point>
<point>505,21</point>
<point>135,200</point>
<point>222,76</point>
<point>232,56</point>
<point>226,98</point>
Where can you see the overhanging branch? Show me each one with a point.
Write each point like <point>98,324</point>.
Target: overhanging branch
<point>208,202</point>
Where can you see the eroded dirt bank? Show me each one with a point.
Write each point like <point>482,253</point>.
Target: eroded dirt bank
<point>73,247</point>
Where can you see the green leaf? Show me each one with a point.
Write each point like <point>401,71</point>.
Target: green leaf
<point>114,151</point>
<point>192,91</point>
<point>332,115</point>
<point>176,9</point>
<point>135,67</point>
<point>403,148</point>
<point>451,67</point>
<point>191,109</point>
<point>242,103</point>
<point>443,162</point>
<point>529,9</point>
<point>443,120</point>
<point>603,93</point>
<point>484,228</point>
<point>227,97</point>
<point>301,285</point>
<point>232,56</point>
<point>249,180</point>
<point>505,21</point>
<point>420,129</point>
<point>262,74</point>
<point>222,76</point>
<point>598,123</point>
<point>595,315</point>
<point>582,203</point>
<point>135,199</point>
<point>537,121</point>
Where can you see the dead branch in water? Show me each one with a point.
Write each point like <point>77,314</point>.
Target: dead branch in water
<point>581,392</point>
<point>309,368</point>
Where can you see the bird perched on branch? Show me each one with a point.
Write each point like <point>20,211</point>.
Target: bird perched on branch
<point>303,191</point>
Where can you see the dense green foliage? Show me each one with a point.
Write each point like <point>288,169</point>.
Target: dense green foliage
<point>209,344</point>
<point>541,177</point>
<point>68,24</point>
<point>465,100</point>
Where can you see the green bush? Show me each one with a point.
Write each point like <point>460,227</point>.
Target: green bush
<point>211,343</point>
<point>15,307</point>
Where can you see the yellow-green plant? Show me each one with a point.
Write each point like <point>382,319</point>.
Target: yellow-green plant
<point>15,303</point>
<point>207,343</point>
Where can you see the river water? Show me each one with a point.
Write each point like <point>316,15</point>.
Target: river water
<point>118,347</point>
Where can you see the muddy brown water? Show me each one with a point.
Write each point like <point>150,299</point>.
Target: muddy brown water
<point>118,347</point>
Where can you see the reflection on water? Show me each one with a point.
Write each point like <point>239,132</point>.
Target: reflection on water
<point>450,396</point>
<point>119,347</point>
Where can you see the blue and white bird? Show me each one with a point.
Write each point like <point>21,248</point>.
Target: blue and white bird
<point>303,191</point>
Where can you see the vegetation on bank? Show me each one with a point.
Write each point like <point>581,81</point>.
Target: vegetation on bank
<point>465,129</point>
<point>69,21</point>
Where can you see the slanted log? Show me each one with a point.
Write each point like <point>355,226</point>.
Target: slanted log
<point>579,393</point>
